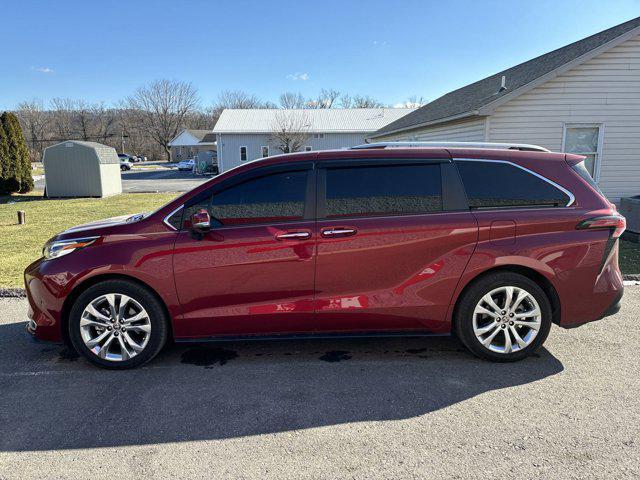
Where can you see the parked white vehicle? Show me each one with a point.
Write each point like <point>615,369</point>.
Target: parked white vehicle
<point>187,164</point>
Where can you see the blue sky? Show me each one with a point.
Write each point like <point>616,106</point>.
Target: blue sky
<point>101,51</point>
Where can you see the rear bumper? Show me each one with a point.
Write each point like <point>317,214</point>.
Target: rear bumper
<point>615,306</point>
<point>612,309</point>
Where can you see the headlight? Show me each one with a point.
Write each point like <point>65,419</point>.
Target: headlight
<point>59,248</point>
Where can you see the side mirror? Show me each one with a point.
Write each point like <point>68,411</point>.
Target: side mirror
<point>201,221</point>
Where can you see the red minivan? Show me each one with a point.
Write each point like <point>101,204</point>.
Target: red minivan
<point>492,245</point>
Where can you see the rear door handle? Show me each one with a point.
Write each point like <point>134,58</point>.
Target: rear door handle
<point>293,236</point>
<point>338,231</point>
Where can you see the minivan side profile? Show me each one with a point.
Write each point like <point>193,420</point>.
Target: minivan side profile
<point>492,245</point>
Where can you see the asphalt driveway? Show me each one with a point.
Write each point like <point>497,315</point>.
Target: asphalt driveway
<point>164,180</point>
<point>398,408</point>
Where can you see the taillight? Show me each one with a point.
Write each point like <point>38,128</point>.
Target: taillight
<point>616,223</point>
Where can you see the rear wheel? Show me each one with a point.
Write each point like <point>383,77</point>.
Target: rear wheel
<point>117,324</point>
<point>503,317</point>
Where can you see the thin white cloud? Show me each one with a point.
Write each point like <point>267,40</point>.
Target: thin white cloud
<point>42,69</point>
<point>379,42</point>
<point>298,76</point>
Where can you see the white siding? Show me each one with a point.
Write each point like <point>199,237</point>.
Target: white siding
<point>229,145</point>
<point>463,131</point>
<point>604,90</point>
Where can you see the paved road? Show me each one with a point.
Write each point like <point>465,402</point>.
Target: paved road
<point>137,181</point>
<point>419,408</point>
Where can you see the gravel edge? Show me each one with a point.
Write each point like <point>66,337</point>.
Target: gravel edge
<point>12,293</point>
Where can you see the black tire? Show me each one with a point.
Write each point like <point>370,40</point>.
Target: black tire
<point>471,297</point>
<point>158,320</point>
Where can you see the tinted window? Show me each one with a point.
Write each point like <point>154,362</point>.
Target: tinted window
<point>273,198</point>
<point>384,190</point>
<point>581,169</point>
<point>175,220</point>
<point>496,185</point>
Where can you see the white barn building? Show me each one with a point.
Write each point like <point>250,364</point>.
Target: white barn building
<point>244,135</point>
<point>582,98</point>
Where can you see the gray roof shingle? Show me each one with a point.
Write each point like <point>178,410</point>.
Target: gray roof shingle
<point>208,138</point>
<point>485,91</point>
<point>199,134</point>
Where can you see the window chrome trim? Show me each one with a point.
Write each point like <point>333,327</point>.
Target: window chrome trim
<point>572,198</point>
<point>166,219</point>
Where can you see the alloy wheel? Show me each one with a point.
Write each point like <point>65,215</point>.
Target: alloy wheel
<point>507,319</point>
<point>115,327</point>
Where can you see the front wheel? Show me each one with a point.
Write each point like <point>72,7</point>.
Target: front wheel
<point>117,324</point>
<point>503,317</point>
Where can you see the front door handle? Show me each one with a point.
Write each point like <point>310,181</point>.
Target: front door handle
<point>338,232</point>
<point>293,236</point>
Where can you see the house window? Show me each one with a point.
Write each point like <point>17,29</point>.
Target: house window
<point>308,148</point>
<point>318,135</point>
<point>586,140</point>
<point>264,151</point>
<point>243,154</point>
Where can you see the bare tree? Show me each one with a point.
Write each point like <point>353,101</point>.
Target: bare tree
<point>237,99</point>
<point>346,101</point>
<point>365,101</point>
<point>414,102</point>
<point>290,130</point>
<point>164,106</point>
<point>35,123</point>
<point>83,120</point>
<point>289,100</point>
<point>63,111</point>
<point>326,98</point>
<point>104,122</point>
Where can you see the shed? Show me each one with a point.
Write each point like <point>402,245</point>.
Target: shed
<point>81,169</point>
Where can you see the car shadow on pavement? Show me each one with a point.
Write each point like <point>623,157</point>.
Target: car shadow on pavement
<point>50,399</point>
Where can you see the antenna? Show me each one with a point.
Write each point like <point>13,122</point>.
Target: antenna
<point>503,84</point>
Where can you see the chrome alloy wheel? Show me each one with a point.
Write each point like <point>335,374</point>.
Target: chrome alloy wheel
<point>507,319</point>
<point>115,327</point>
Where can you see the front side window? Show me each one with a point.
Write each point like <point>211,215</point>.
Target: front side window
<point>503,185</point>
<point>264,151</point>
<point>243,154</point>
<point>583,140</point>
<point>383,190</point>
<point>279,197</point>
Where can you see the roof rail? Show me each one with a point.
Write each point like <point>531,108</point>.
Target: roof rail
<point>500,146</point>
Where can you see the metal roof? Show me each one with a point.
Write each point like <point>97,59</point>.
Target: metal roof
<point>469,99</point>
<point>329,120</point>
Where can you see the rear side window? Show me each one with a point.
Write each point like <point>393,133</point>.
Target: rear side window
<point>581,169</point>
<point>383,190</point>
<point>503,185</point>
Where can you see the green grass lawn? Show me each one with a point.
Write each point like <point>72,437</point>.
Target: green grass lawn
<point>22,244</point>
<point>629,258</point>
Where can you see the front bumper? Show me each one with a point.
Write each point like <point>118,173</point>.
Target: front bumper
<point>46,298</point>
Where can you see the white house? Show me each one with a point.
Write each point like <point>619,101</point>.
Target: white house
<point>188,143</point>
<point>244,135</point>
<point>582,98</point>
